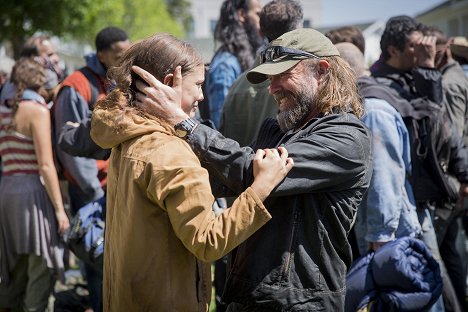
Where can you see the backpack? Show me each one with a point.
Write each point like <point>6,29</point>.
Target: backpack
<point>85,237</point>
<point>430,136</point>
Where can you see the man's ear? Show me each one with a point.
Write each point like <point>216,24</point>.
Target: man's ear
<point>321,70</point>
<point>169,79</point>
<point>322,67</point>
<point>242,16</point>
<point>100,56</point>
<point>393,51</point>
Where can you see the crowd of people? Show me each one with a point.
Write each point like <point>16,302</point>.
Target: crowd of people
<point>298,171</point>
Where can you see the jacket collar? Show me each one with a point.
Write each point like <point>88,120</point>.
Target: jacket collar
<point>95,65</point>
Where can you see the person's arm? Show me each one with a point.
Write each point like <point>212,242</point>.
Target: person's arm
<point>40,126</point>
<point>180,185</point>
<point>386,195</point>
<point>456,96</point>
<point>75,140</point>
<point>428,83</point>
<point>323,159</point>
<point>427,79</point>
<point>458,162</point>
<point>220,79</point>
<point>71,107</point>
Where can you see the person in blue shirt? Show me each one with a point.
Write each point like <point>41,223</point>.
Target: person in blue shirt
<point>390,210</point>
<point>238,32</point>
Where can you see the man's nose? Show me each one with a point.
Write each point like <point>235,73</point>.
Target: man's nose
<point>274,85</point>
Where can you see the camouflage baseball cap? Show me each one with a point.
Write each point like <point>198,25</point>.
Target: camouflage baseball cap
<point>459,46</point>
<point>286,51</point>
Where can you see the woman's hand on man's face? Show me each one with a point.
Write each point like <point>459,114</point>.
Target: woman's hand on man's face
<point>158,99</point>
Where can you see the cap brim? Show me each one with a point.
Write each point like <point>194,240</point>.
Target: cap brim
<point>459,50</point>
<point>259,73</point>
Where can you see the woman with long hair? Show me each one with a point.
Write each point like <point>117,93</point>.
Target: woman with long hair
<point>237,32</point>
<point>32,216</point>
<point>161,232</point>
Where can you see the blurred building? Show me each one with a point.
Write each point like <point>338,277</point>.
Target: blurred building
<point>71,53</point>
<point>450,16</point>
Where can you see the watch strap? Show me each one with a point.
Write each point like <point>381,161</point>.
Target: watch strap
<point>185,127</point>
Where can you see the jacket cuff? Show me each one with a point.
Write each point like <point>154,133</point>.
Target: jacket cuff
<point>261,208</point>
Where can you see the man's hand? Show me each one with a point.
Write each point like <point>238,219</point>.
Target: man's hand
<point>158,99</point>
<point>425,51</point>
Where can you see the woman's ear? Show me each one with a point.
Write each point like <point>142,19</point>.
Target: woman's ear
<point>169,79</point>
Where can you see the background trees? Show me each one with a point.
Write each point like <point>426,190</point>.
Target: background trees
<point>81,20</point>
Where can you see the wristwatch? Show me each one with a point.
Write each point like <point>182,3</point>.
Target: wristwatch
<point>185,127</point>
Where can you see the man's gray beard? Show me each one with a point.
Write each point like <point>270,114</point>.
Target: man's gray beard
<point>295,117</point>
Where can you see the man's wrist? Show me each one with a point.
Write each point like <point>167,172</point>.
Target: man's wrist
<point>427,64</point>
<point>177,117</point>
<point>185,127</point>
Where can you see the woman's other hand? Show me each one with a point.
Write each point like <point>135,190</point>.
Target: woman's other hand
<point>270,167</point>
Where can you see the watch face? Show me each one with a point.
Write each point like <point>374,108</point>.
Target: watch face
<point>181,132</point>
<point>184,127</point>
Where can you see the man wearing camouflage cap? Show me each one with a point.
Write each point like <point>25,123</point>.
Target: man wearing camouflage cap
<point>298,260</point>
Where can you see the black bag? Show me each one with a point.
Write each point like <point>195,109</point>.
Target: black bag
<point>430,134</point>
<point>85,236</point>
<point>429,138</point>
<point>75,299</point>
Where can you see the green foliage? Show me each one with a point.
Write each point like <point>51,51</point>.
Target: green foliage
<point>82,19</point>
<point>22,18</point>
<point>146,17</point>
<point>180,11</point>
<point>140,18</point>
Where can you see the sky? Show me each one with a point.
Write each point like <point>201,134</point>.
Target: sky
<point>343,12</point>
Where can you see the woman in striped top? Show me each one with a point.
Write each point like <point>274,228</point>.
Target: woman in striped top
<point>32,216</point>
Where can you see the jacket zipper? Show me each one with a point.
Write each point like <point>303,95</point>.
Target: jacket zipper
<point>291,241</point>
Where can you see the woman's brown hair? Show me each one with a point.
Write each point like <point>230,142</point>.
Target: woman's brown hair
<point>26,74</point>
<point>159,54</point>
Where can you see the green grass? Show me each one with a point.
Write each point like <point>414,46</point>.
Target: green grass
<point>212,303</point>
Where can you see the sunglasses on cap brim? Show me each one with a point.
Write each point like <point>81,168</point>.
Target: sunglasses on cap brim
<point>275,53</point>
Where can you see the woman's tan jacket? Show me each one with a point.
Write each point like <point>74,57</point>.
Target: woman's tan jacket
<point>161,232</point>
